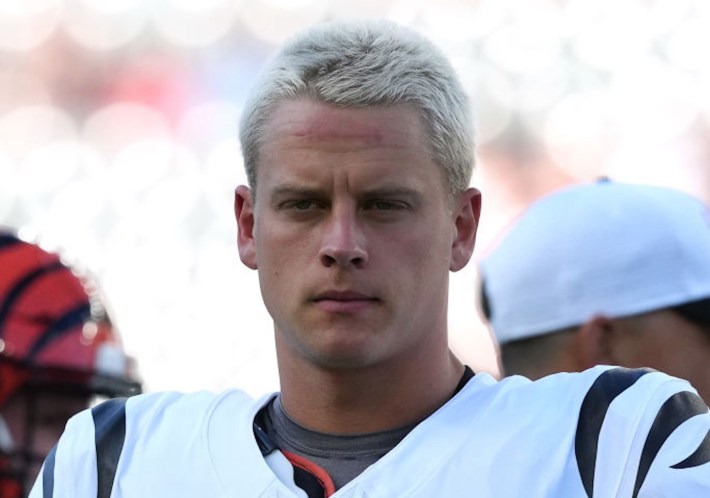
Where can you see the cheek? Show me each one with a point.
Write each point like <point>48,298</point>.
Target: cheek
<point>281,258</point>
<point>276,240</point>
<point>422,261</point>
<point>427,249</point>
<point>282,263</point>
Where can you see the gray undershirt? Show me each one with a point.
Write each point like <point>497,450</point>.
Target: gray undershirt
<point>342,457</point>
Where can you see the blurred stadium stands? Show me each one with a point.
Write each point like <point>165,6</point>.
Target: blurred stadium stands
<point>118,127</point>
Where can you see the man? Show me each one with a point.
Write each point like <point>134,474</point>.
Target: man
<point>608,273</point>
<point>358,150</point>
<point>57,349</point>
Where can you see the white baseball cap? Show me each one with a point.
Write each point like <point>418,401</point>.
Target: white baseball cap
<point>602,248</point>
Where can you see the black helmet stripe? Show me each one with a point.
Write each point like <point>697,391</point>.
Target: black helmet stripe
<point>21,286</point>
<point>7,240</point>
<point>72,318</point>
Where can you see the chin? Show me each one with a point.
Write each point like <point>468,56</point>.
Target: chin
<point>345,356</point>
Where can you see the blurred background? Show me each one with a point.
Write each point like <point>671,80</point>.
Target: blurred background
<point>118,124</point>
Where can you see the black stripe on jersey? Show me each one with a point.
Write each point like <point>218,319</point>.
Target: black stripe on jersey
<point>110,433</point>
<point>676,410</point>
<point>594,408</point>
<point>699,457</point>
<point>48,474</point>
<point>265,443</point>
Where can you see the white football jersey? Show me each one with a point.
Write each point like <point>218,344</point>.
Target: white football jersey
<point>606,432</point>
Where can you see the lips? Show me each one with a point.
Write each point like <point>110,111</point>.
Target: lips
<point>344,301</point>
<point>342,296</point>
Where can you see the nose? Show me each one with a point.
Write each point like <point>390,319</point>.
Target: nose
<point>343,243</point>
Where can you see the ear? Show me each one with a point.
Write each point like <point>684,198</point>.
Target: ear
<point>467,212</point>
<point>594,342</point>
<point>244,212</point>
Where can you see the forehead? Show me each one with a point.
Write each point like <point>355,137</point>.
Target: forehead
<point>306,136</point>
<point>305,119</point>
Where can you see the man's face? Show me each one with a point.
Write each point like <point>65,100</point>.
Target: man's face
<point>353,233</point>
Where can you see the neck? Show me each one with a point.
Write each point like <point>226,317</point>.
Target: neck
<point>370,399</point>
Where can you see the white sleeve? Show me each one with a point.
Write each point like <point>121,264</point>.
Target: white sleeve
<point>654,442</point>
<point>677,450</point>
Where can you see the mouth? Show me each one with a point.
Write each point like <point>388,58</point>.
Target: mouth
<point>342,296</point>
<point>344,301</point>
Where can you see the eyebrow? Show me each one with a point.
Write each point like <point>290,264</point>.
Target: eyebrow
<point>290,190</point>
<point>395,191</point>
<point>392,191</point>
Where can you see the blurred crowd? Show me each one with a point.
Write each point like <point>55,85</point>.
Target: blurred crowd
<point>118,138</point>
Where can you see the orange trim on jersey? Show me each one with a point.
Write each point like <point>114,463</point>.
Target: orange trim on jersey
<point>314,469</point>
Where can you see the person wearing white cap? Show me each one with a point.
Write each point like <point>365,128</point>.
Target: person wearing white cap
<point>603,273</point>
